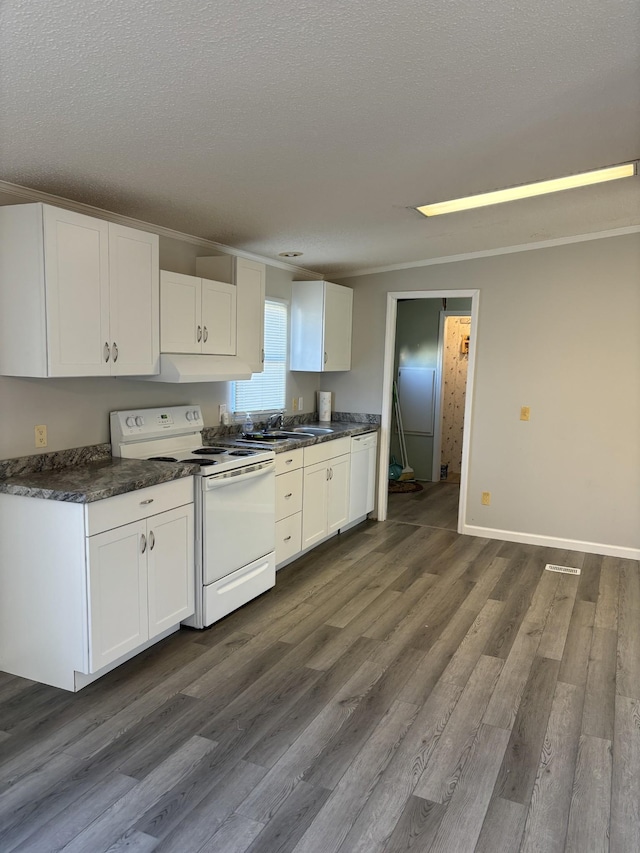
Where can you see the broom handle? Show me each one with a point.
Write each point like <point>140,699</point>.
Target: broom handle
<point>403,446</point>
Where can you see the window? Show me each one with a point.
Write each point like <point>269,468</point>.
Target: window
<point>266,391</point>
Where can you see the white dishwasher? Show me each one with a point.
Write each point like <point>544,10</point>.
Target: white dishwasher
<point>363,476</point>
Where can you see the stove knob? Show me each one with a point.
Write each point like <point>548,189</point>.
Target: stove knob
<point>195,414</point>
<point>189,416</point>
<point>139,421</point>
<point>130,421</point>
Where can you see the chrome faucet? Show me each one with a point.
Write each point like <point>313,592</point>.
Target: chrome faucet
<point>275,421</point>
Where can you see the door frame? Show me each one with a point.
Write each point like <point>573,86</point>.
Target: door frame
<point>387,383</point>
<point>439,391</point>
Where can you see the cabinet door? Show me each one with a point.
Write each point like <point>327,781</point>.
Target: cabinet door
<point>180,312</point>
<point>117,590</point>
<point>338,492</point>
<point>338,306</point>
<point>250,281</point>
<point>134,291</point>
<point>218,317</point>
<point>77,293</point>
<point>170,568</point>
<point>314,504</point>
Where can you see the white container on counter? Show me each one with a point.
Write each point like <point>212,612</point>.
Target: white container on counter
<point>324,405</point>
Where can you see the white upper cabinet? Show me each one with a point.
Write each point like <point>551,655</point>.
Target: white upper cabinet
<point>134,301</point>
<point>78,296</point>
<point>249,278</point>
<point>321,317</point>
<point>197,315</point>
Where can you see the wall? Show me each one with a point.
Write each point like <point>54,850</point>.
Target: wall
<point>76,411</point>
<point>549,337</point>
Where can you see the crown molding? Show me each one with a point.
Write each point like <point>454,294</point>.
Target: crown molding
<point>489,253</point>
<point>28,194</point>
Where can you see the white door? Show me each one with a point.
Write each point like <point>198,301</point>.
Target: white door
<point>77,288</point>
<point>117,590</point>
<point>180,312</point>
<point>170,568</point>
<point>218,317</point>
<point>314,504</point>
<point>134,292</point>
<point>239,519</point>
<point>338,497</point>
<point>250,282</point>
<point>338,305</point>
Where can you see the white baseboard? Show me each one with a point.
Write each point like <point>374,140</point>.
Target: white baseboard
<point>552,542</point>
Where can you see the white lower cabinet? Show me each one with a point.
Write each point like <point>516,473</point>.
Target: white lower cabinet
<point>96,584</point>
<point>325,507</point>
<point>140,583</point>
<point>289,478</point>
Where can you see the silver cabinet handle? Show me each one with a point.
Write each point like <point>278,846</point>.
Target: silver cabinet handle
<point>199,334</point>
<point>327,473</point>
<point>107,351</point>
<point>148,501</point>
<point>290,495</point>
<point>114,352</point>
<point>152,540</point>
<point>325,356</point>
<point>206,334</point>
<point>262,356</point>
<point>288,461</point>
<point>143,543</point>
<point>286,538</point>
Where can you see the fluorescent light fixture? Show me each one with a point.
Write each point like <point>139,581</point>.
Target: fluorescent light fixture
<point>598,176</point>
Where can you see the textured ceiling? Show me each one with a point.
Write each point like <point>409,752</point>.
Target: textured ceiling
<point>311,125</point>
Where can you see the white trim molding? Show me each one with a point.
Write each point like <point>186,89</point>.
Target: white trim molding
<point>552,542</point>
<point>28,194</point>
<point>489,253</point>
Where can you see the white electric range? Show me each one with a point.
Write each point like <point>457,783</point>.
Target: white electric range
<point>234,504</point>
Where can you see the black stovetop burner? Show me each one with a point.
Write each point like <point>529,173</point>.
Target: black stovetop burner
<point>162,459</point>
<point>243,453</point>
<point>210,451</point>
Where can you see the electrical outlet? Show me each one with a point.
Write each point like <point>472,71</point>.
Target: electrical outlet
<point>300,404</point>
<point>294,404</point>
<point>486,499</point>
<point>41,435</point>
<point>222,410</point>
<point>525,413</point>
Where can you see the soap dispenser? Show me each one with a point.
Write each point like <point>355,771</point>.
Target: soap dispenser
<point>247,426</point>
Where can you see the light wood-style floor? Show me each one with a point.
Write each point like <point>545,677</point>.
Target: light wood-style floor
<point>402,688</point>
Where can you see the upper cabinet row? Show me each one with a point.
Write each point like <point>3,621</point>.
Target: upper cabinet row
<point>83,297</point>
<point>78,296</point>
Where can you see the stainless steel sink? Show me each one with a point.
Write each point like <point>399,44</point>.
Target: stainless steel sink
<point>274,435</point>
<point>314,430</point>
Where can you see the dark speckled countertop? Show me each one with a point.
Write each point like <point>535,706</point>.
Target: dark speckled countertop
<point>86,474</point>
<point>94,481</point>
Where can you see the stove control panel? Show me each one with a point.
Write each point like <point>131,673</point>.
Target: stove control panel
<point>140,424</point>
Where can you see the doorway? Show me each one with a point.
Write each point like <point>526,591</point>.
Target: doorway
<point>393,300</point>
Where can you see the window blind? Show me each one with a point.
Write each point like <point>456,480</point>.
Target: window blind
<point>266,391</point>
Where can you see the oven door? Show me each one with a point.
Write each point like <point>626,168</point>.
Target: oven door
<point>238,519</point>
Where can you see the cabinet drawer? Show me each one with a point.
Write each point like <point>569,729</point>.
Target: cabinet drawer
<point>326,450</point>
<point>289,460</point>
<point>288,537</point>
<point>133,506</point>
<point>288,493</point>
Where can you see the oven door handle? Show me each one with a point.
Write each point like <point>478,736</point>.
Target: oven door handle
<point>228,478</point>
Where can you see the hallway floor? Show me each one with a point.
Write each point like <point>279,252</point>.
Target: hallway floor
<point>435,506</point>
